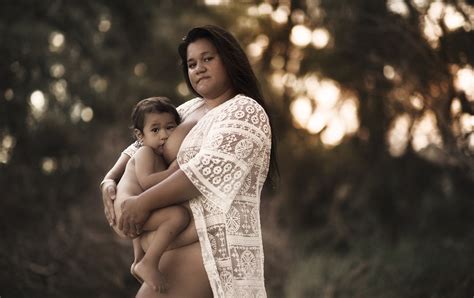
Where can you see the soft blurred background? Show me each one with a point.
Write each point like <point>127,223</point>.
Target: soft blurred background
<point>374,112</point>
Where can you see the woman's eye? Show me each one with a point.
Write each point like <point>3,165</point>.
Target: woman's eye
<point>207,59</point>
<point>191,66</point>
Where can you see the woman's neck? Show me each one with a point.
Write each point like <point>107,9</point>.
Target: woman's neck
<point>211,103</point>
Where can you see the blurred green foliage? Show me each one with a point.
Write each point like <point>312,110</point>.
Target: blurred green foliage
<point>348,220</point>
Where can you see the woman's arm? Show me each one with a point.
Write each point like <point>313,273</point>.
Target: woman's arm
<point>175,189</point>
<point>109,184</point>
<point>145,168</point>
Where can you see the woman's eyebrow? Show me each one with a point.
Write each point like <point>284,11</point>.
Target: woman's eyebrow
<point>201,54</point>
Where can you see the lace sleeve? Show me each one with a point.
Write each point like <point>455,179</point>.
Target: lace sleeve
<point>228,160</point>
<point>132,149</point>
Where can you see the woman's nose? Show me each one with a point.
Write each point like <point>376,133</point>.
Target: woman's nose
<point>200,67</point>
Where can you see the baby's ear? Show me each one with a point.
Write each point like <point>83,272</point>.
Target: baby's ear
<point>138,133</point>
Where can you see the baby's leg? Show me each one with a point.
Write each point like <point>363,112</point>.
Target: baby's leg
<point>188,235</point>
<point>138,254</point>
<point>168,223</point>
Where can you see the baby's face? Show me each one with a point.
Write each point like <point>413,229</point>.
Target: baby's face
<point>158,127</point>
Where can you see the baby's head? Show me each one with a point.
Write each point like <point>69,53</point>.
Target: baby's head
<point>153,121</point>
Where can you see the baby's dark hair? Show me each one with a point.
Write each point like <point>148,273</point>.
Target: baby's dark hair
<point>152,105</point>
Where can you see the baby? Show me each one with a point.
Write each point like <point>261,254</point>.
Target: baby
<point>154,119</point>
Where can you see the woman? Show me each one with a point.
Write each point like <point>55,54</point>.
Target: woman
<point>224,161</point>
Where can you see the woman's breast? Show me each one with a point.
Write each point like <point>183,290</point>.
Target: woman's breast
<point>171,148</point>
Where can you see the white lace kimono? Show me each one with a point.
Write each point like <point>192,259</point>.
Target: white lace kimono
<point>226,156</point>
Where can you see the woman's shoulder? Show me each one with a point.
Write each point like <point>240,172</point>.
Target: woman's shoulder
<point>245,105</point>
<point>246,101</point>
<point>188,106</point>
<point>245,110</point>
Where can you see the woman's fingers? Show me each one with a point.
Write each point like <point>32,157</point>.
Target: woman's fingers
<point>110,204</point>
<point>111,191</point>
<point>123,224</point>
<point>108,188</point>
<point>132,218</point>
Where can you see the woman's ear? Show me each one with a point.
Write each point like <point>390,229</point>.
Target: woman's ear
<point>138,134</point>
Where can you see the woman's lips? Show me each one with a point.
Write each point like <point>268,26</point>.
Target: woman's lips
<point>201,79</point>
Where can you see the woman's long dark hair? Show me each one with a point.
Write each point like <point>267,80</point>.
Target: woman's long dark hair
<point>239,71</point>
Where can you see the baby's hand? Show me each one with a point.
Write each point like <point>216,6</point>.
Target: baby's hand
<point>174,165</point>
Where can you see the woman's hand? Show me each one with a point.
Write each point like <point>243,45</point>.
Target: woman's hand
<point>108,189</point>
<point>133,217</point>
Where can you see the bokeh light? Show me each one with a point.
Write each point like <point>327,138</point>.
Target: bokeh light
<point>435,11</point>
<point>87,114</point>
<point>265,9</point>
<point>59,90</point>
<point>464,80</point>
<point>277,62</point>
<point>453,19</point>
<point>256,48</point>
<point>324,109</point>
<point>37,103</point>
<point>320,38</point>
<point>9,94</point>
<point>416,101</point>
<point>467,123</point>
<point>75,113</point>
<point>182,89</point>
<point>6,148</point>
<point>398,6</point>
<point>425,132</point>
<point>301,110</point>
<point>398,135</point>
<point>431,31</point>
<point>280,15</point>
<point>215,2</point>
<point>301,35</point>
<point>98,83</point>
<point>140,69</point>
<point>104,24</point>
<point>57,70</point>
<point>317,121</point>
<point>326,93</point>
<point>333,134</point>
<point>56,41</point>
<point>455,107</point>
<point>389,72</point>
<point>49,165</point>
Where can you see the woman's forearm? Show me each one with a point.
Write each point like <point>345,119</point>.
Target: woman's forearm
<point>116,172</point>
<point>175,189</point>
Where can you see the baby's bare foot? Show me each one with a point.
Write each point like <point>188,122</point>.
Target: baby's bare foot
<point>149,273</point>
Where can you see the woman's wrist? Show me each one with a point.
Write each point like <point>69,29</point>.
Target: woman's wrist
<point>101,185</point>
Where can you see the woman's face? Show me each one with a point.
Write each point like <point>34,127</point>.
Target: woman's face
<point>206,71</point>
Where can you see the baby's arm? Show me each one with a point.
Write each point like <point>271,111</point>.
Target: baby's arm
<point>147,173</point>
